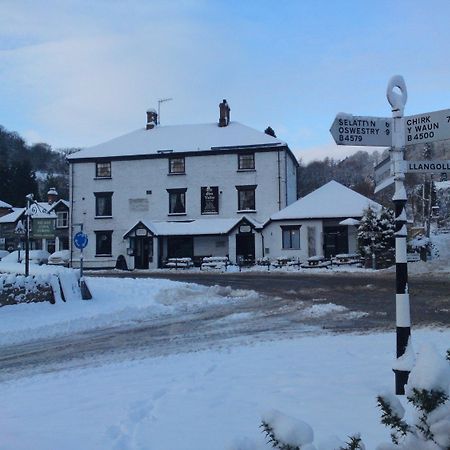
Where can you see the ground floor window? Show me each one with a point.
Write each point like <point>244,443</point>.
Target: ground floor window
<point>103,243</point>
<point>291,237</point>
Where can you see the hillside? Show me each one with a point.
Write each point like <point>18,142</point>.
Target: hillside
<point>28,169</point>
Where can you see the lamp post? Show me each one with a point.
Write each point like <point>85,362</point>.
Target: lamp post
<point>30,199</point>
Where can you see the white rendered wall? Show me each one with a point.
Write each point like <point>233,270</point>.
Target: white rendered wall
<point>131,179</point>
<point>273,239</point>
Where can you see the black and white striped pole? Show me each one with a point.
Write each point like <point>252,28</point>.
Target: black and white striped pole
<point>397,96</point>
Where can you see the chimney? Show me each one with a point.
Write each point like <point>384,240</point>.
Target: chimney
<point>224,118</point>
<point>152,119</point>
<point>52,196</point>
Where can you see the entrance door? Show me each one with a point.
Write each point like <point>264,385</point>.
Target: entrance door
<point>245,248</point>
<point>335,240</point>
<point>142,252</point>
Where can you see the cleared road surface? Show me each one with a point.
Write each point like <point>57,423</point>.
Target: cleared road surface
<point>284,308</point>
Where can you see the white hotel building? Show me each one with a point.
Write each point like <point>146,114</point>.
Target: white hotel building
<point>179,191</point>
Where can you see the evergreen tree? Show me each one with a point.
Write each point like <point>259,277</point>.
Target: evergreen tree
<point>376,237</point>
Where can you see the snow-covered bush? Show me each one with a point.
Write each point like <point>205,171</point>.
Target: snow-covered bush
<point>376,236</point>
<point>427,391</point>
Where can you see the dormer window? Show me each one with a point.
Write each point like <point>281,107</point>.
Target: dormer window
<point>103,169</point>
<point>176,165</point>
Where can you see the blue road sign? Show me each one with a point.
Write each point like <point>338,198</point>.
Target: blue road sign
<point>80,240</point>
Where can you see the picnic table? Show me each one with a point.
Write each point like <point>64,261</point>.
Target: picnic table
<point>179,263</point>
<point>215,262</point>
<point>316,262</point>
<point>346,258</point>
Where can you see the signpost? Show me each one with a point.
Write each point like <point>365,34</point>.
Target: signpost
<point>362,130</point>
<point>80,241</point>
<point>427,166</point>
<point>428,127</point>
<point>396,133</point>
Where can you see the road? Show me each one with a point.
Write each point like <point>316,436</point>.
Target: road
<point>281,310</point>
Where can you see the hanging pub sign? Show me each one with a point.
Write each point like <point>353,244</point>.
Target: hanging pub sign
<point>43,228</point>
<point>210,200</point>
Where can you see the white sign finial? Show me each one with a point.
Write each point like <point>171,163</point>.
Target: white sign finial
<point>397,100</point>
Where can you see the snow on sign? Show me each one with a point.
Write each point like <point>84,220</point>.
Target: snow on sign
<point>428,127</point>
<point>427,166</point>
<point>362,130</point>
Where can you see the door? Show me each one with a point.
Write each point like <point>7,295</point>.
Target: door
<point>142,252</point>
<point>245,248</point>
<point>335,240</point>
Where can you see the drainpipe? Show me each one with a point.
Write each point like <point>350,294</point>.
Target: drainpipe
<point>285,180</point>
<point>71,213</point>
<point>279,179</point>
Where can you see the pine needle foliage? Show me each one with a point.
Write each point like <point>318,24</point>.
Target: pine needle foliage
<point>273,440</point>
<point>388,418</point>
<point>354,443</point>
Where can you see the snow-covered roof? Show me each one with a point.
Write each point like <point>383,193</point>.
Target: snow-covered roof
<point>332,200</point>
<point>5,205</point>
<point>178,138</point>
<point>13,216</point>
<point>194,227</point>
<point>64,202</point>
<point>442,185</point>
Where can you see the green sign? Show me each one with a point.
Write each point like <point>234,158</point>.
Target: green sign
<point>43,228</point>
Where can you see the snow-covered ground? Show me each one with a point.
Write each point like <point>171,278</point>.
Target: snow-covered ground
<point>203,400</point>
<point>208,400</point>
<point>115,302</point>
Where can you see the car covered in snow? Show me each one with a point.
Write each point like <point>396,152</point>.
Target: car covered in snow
<point>36,257</point>
<point>60,258</point>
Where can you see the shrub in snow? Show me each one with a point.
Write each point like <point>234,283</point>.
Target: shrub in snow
<point>427,391</point>
<point>376,235</point>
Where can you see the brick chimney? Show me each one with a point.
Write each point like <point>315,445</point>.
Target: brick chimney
<point>152,119</point>
<point>224,117</point>
<point>52,196</point>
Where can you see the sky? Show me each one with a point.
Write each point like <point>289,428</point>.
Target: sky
<point>77,73</point>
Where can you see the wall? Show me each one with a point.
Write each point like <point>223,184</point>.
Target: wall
<point>273,239</point>
<point>132,179</point>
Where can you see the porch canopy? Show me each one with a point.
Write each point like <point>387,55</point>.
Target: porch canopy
<point>199,227</point>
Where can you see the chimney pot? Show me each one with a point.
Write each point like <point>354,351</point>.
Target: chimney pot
<point>152,119</point>
<point>52,196</point>
<point>224,117</point>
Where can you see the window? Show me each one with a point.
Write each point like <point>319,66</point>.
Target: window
<point>246,198</point>
<point>103,204</point>
<point>62,219</point>
<point>246,161</point>
<point>176,165</point>
<point>291,237</point>
<point>103,169</point>
<point>177,201</point>
<point>103,243</point>
<point>209,200</point>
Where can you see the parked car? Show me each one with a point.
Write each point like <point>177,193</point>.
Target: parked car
<point>3,253</point>
<point>36,256</point>
<point>60,258</point>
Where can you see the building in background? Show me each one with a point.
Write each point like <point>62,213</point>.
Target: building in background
<point>179,191</point>
<point>323,223</point>
<point>49,225</point>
